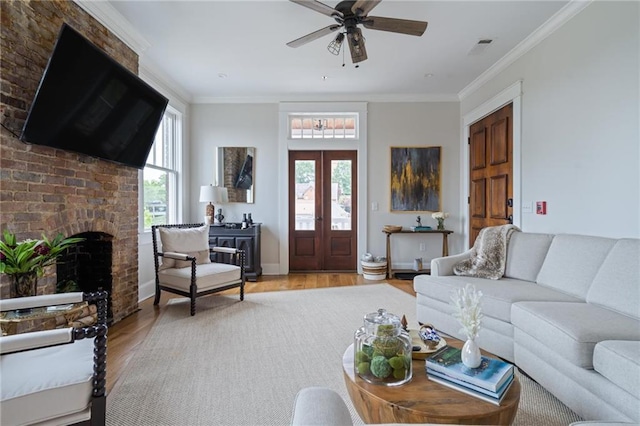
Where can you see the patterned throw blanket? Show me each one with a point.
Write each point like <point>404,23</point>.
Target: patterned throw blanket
<point>488,254</point>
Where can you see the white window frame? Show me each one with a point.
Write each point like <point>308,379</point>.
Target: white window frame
<point>174,167</point>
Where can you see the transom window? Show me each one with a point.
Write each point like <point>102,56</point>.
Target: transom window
<point>323,126</point>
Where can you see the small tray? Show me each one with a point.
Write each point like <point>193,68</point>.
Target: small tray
<point>424,351</point>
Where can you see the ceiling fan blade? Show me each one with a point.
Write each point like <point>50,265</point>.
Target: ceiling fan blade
<point>363,7</point>
<point>403,26</point>
<point>314,35</point>
<point>356,45</point>
<point>319,7</point>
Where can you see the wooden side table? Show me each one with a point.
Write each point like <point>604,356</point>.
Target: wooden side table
<point>47,318</point>
<point>445,246</point>
<point>424,401</point>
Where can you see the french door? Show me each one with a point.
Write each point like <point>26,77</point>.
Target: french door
<point>322,210</point>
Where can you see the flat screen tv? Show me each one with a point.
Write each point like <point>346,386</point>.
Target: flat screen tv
<point>90,104</point>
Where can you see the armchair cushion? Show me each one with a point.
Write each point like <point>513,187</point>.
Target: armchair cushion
<point>191,241</point>
<point>32,391</point>
<point>208,276</point>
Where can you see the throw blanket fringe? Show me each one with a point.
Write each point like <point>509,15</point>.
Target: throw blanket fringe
<point>488,254</point>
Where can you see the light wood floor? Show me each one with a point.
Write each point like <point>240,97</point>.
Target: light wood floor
<point>126,336</point>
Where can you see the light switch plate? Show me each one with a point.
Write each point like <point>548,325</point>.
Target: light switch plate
<point>527,207</point>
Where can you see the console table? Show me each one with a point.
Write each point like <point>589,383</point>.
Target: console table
<point>231,235</point>
<point>445,247</point>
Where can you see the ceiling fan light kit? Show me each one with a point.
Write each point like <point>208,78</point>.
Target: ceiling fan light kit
<point>349,14</point>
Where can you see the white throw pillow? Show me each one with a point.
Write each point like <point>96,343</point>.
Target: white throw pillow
<point>191,241</point>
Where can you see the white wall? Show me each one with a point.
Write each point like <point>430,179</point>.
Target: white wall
<point>239,125</point>
<point>419,124</point>
<point>580,123</point>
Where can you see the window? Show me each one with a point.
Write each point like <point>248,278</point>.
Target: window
<point>161,172</point>
<point>325,126</point>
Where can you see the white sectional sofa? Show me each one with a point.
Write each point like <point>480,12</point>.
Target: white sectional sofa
<point>566,312</point>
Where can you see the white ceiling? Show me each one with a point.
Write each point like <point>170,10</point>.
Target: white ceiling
<point>192,43</point>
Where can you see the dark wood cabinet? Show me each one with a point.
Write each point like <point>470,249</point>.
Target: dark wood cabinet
<point>247,239</point>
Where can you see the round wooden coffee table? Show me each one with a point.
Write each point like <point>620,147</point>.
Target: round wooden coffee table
<point>424,401</point>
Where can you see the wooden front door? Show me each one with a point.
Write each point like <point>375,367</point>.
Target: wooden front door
<point>491,171</point>
<point>322,211</point>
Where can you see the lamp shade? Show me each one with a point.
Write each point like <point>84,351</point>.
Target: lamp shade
<point>213,194</point>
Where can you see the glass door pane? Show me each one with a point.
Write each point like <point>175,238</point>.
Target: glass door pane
<point>341,195</point>
<point>305,179</point>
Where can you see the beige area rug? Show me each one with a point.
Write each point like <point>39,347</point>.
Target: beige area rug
<point>242,363</point>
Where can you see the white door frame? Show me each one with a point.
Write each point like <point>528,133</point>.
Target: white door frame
<point>512,94</point>
<point>286,144</point>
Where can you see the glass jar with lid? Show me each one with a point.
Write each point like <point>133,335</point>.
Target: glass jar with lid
<point>382,350</point>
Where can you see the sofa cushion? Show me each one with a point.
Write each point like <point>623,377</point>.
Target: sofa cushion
<point>497,295</point>
<point>572,263</point>
<point>525,255</point>
<point>46,383</point>
<point>572,330</point>
<point>208,276</point>
<point>619,361</point>
<point>619,272</point>
<point>191,241</point>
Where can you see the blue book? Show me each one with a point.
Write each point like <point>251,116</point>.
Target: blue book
<point>472,392</point>
<point>491,374</point>
<point>497,395</point>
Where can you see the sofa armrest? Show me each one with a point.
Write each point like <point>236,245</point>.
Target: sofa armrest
<point>34,340</point>
<point>37,301</point>
<point>441,266</point>
<point>176,256</point>
<point>229,250</point>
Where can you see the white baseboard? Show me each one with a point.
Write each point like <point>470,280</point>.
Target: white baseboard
<point>146,290</point>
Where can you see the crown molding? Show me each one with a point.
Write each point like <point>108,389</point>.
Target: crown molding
<point>108,16</point>
<point>560,18</point>
<point>325,98</point>
<point>160,80</point>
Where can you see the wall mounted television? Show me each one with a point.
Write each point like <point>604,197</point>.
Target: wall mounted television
<point>90,104</point>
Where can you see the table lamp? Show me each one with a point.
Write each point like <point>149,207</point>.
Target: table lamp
<point>212,194</point>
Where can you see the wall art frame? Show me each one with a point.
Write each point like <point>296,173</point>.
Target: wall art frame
<point>416,175</point>
<point>236,172</point>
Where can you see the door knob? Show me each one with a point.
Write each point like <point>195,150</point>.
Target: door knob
<point>319,218</point>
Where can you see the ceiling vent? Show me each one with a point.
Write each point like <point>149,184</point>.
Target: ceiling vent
<point>480,46</point>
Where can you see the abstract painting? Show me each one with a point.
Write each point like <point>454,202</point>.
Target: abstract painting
<point>415,179</point>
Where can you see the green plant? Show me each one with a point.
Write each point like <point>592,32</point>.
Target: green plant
<point>31,255</point>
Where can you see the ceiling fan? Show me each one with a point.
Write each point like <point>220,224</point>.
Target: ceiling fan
<point>349,14</point>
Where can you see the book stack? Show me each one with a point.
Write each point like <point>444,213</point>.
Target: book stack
<point>489,382</point>
<point>420,228</point>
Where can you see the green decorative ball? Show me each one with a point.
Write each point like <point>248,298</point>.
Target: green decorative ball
<point>361,356</point>
<point>399,373</point>
<point>363,368</point>
<point>397,362</point>
<point>380,367</point>
<point>388,347</point>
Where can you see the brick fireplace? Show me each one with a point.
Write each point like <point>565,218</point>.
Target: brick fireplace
<point>87,265</point>
<point>45,190</point>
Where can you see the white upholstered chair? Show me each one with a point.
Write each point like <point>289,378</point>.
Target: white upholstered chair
<point>54,377</point>
<point>183,265</point>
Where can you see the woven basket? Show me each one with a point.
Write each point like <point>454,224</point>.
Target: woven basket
<point>374,270</point>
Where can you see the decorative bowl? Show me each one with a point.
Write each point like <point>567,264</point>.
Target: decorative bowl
<point>392,228</point>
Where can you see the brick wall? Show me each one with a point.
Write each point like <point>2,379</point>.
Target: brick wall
<point>46,190</point>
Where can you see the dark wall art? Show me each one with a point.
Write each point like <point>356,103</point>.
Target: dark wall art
<point>415,179</point>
